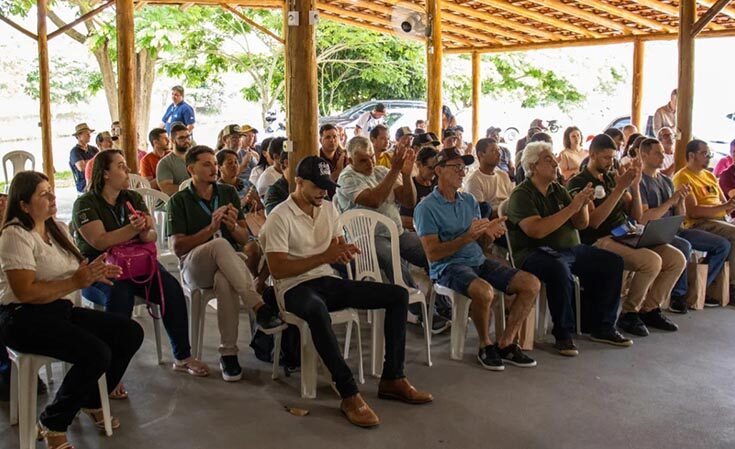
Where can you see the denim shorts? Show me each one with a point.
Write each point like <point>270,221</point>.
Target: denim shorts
<point>459,277</point>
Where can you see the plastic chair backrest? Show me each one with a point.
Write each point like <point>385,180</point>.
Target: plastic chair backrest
<point>137,182</point>
<point>184,184</point>
<point>503,212</point>
<point>360,225</point>
<point>18,160</point>
<point>154,199</point>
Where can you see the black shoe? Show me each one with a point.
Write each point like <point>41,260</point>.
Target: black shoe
<point>631,323</point>
<point>711,302</point>
<point>566,348</point>
<point>490,359</point>
<point>438,324</point>
<point>679,305</point>
<point>657,320</point>
<point>514,355</point>
<point>230,366</point>
<point>266,318</point>
<point>445,313</point>
<point>611,336</point>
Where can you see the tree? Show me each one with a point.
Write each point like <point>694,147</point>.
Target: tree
<point>72,82</point>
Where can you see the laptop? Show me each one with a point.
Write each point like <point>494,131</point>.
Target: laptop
<point>656,232</point>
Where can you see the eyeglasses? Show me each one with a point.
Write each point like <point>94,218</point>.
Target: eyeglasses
<point>186,137</point>
<point>707,154</point>
<point>458,168</point>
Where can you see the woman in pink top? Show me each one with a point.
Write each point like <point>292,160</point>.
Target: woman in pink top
<point>725,163</point>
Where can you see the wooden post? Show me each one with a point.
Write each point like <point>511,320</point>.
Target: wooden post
<point>126,81</point>
<point>434,53</point>
<point>476,75</point>
<point>301,86</point>
<point>637,97</point>
<point>685,97</point>
<point>44,93</point>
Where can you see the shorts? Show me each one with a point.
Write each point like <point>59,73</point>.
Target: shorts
<point>459,277</point>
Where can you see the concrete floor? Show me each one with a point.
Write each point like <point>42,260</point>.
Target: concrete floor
<point>667,391</point>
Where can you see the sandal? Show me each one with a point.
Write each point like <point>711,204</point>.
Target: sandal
<point>52,438</point>
<point>192,367</point>
<point>119,392</point>
<point>99,420</point>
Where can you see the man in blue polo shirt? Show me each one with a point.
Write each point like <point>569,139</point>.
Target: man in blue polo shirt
<point>449,224</point>
<point>178,111</point>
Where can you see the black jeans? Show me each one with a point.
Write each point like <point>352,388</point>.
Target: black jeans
<point>313,300</point>
<point>120,300</point>
<point>600,274</point>
<point>94,342</point>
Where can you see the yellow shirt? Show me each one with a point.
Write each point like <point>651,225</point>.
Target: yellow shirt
<point>704,187</point>
<point>383,159</point>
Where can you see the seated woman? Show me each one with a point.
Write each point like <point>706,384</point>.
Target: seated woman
<point>103,220</point>
<point>228,174</point>
<point>264,162</point>
<point>41,269</point>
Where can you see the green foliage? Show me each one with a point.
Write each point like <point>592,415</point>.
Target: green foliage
<point>70,81</point>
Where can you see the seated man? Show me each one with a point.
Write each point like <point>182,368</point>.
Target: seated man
<point>655,270</point>
<point>542,224</point>
<point>208,229</point>
<point>449,224</point>
<point>706,206</point>
<point>659,199</point>
<point>302,237</point>
<point>172,170</point>
<point>149,164</point>
<point>362,184</point>
<point>423,181</point>
<point>489,184</point>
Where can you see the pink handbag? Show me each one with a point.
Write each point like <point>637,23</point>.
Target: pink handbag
<point>139,264</point>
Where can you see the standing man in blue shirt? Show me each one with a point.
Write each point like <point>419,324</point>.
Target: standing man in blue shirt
<point>178,111</point>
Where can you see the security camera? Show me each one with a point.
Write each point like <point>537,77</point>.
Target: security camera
<point>411,23</point>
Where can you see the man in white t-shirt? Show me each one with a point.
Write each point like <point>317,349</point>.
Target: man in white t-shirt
<point>488,184</point>
<point>665,135</point>
<point>303,237</point>
<point>370,120</point>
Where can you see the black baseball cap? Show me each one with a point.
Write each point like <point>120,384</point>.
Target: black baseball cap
<point>316,170</point>
<point>425,138</point>
<point>449,132</point>
<point>448,154</point>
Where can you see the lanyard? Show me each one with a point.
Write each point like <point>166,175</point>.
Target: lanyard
<point>202,204</point>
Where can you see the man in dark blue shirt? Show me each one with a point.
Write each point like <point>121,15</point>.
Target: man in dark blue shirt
<point>81,155</point>
<point>178,111</point>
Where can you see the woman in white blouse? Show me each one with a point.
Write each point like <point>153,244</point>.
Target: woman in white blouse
<point>41,270</point>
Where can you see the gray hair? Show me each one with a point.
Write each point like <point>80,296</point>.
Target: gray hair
<point>531,155</point>
<point>358,143</point>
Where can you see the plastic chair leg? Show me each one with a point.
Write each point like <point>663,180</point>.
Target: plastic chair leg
<point>13,394</point>
<point>195,303</point>
<point>105,402</point>
<point>27,397</point>
<point>378,343</point>
<point>427,334</point>
<point>578,303</point>
<point>308,364</point>
<point>460,313</point>
<point>157,333</point>
<point>348,336</point>
<point>360,369</point>
<point>276,354</point>
<point>49,373</point>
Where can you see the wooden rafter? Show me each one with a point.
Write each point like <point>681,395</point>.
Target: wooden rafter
<point>591,17</point>
<point>671,10</point>
<point>627,15</point>
<point>367,25</point>
<point>19,28</point>
<point>80,19</point>
<point>729,11</point>
<point>466,10</point>
<point>707,17</point>
<point>252,23</point>
<point>264,4</point>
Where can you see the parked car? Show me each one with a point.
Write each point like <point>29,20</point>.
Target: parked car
<point>394,119</point>
<point>353,113</point>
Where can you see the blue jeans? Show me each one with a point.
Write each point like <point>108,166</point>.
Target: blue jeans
<point>119,299</point>
<point>716,247</point>
<point>600,274</point>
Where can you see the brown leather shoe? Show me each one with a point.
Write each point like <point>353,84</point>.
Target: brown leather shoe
<point>402,390</point>
<point>358,412</point>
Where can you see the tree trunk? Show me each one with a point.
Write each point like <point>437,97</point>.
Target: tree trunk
<point>145,77</point>
<point>109,80</point>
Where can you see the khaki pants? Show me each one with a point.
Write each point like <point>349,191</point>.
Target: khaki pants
<point>723,229</point>
<point>217,264</point>
<point>655,271</point>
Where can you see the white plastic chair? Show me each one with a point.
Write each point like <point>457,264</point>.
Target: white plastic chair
<point>138,182</point>
<point>544,317</point>
<point>185,184</point>
<point>18,161</point>
<point>156,202</point>
<point>309,356</point>
<point>360,225</point>
<point>23,395</point>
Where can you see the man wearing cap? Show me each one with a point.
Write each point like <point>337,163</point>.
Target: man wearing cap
<point>247,154</point>
<point>158,137</point>
<point>423,140</point>
<point>449,138</point>
<point>231,136</point>
<point>178,111</point>
<point>302,237</point>
<point>370,120</point>
<point>330,151</point>
<point>208,230</point>
<point>81,154</point>
<point>448,222</point>
<point>171,170</point>
<point>536,126</point>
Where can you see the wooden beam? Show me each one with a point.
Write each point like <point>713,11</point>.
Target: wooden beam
<point>126,71</point>
<point>669,9</point>
<point>707,17</point>
<point>627,15</point>
<point>685,97</point>
<point>729,11</point>
<point>18,27</point>
<point>434,53</point>
<point>371,22</point>
<point>44,92</point>
<point>584,15</point>
<point>482,15</point>
<point>139,4</point>
<point>538,17</point>
<point>476,85</point>
<point>301,82</point>
<point>481,28</point>
<point>252,23</point>
<point>637,95</point>
<point>81,19</point>
<point>259,4</point>
<point>588,42</point>
<point>368,26</point>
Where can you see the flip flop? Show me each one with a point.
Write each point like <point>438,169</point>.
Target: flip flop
<point>192,366</point>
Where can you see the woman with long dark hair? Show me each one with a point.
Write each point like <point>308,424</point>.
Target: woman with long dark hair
<point>103,219</point>
<point>573,154</point>
<point>41,271</point>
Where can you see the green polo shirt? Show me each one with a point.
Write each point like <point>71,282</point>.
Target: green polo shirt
<point>618,215</point>
<point>526,201</point>
<point>91,206</point>
<point>188,213</point>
